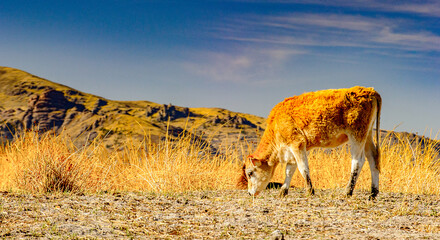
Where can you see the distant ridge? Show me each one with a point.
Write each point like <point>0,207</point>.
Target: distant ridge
<point>28,101</point>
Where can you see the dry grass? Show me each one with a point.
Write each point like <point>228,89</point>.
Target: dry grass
<point>47,163</point>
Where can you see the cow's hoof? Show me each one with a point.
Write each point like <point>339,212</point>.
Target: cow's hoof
<point>283,192</point>
<point>348,192</point>
<point>373,195</point>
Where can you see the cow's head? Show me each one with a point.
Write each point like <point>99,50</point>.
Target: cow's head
<point>258,174</point>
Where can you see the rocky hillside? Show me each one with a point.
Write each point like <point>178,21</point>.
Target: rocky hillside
<point>28,101</point>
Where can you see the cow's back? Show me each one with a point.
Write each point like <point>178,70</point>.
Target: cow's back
<point>315,117</point>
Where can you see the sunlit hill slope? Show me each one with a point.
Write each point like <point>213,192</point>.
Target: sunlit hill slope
<point>28,101</point>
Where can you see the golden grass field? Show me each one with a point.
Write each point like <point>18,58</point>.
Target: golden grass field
<point>39,163</point>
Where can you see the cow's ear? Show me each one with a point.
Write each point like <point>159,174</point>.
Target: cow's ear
<point>256,162</point>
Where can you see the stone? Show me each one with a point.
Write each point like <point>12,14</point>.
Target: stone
<point>48,110</point>
<point>277,235</point>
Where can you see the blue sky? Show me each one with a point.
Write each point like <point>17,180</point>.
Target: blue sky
<point>244,56</point>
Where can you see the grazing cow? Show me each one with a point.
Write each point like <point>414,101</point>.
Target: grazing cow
<point>326,118</point>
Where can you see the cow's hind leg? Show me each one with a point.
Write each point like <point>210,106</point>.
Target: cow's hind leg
<point>290,170</point>
<point>372,154</point>
<point>303,167</point>
<point>357,162</point>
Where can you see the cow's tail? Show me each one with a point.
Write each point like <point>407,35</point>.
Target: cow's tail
<point>378,109</point>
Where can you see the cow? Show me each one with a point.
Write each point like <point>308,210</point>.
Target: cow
<point>326,118</point>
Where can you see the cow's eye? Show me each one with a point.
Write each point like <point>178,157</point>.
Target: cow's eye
<point>249,173</point>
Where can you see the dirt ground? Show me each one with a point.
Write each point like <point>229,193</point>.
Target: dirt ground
<point>219,215</point>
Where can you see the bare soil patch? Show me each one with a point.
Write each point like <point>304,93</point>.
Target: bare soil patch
<point>220,215</point>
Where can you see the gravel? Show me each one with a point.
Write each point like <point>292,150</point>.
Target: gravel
<point>219,215</point>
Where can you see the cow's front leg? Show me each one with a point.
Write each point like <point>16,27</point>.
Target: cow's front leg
<point>290,170</point>
<point>303,167</point>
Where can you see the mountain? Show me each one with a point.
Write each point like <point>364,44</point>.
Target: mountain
<point>28,101</point>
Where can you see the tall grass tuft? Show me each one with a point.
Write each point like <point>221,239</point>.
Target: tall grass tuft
<point>40,163</point>
<point>45,163</point>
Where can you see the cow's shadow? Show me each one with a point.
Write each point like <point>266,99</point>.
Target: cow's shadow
<point>274,185</point>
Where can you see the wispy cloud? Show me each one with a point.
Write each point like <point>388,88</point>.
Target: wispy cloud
<point>425,8</point>
<point>430,8</point>
<point>424,41</point>
<point>333,30</point>
<point>220,66</point>
<point>249,66</point>
<point>332,21</point>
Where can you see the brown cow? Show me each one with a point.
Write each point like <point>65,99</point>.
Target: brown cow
<point>326,118</point>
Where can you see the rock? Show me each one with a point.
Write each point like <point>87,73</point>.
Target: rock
<point>150,111</point>
<point>72,92</point>
<point>216,120</point>
<point>233,121</point>
<point>17,91</point>
<point>171,112</point>
<point>92,135</point>
<point>98,104</point>
<point>239,120</point>
<point>277,235</point>
<point>9,128</point>
<point>186,112</point>
<point>7,113</point>
<point>70,115</point>
<point>48,110</point>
